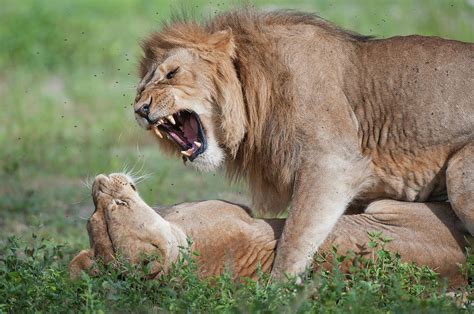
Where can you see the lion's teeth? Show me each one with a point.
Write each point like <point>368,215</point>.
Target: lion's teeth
<point>157,132</point>
<point>188,152</point>
<point>171,119</point>
<point>197,144</point>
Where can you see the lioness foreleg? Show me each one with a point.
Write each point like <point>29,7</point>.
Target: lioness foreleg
<point>99,237</point>
<point>84,261</point>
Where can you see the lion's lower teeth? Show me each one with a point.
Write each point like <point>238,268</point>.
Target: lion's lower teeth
<point>192,150</point>
<point>188,152</point>
<point>157,132</point>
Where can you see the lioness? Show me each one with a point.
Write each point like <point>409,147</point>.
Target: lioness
<point>227,236</point>
<point>314,117</point>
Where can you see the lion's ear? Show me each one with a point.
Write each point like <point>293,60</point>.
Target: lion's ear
<point>223,41</point>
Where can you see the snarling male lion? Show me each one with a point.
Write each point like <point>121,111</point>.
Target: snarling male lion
<point>228,237</point>
<point>314,117</point>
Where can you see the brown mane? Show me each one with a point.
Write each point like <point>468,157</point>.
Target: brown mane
<point>269,154</point>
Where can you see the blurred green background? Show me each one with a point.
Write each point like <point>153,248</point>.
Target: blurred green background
<point>67,79</point>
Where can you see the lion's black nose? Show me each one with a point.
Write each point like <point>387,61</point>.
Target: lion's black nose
<point>143,111</point>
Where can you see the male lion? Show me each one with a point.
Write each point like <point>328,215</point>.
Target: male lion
<point>226,235</point>
<point>314,117</point>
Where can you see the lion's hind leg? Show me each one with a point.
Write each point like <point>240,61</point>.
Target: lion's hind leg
<point>460,185</point>
<point>424,233</point>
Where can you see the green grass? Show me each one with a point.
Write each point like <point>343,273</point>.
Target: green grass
<point>67,77</point>
<point>34,278</point>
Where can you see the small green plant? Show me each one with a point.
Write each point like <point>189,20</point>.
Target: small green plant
<point>34,277</point>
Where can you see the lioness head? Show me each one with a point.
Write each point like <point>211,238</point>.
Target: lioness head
<point>189,94</point>
<point>116,188</point>
<point>133,227</point>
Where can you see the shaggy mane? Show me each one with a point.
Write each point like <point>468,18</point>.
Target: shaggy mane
<point>269,154</point>
<point>241,19</point>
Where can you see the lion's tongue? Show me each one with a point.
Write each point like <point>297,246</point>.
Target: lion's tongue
<point>190,129</point>
<point>179,139</point>
<point>186,135</point>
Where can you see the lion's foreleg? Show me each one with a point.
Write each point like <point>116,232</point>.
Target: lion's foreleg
<point>322,193</point>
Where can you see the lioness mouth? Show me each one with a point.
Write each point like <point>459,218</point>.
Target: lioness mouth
<point>186,130</point>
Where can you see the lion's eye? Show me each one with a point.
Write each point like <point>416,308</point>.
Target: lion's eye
<point>120,202</point>
<point>171,74</point>
<point>133,186</point>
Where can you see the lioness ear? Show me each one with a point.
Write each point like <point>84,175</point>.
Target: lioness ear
<point>223,41</point>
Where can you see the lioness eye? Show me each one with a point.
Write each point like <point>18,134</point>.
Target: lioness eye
<point>133,186</point>
<point>171,74</point>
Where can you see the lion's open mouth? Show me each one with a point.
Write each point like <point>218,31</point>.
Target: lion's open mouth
<point>186,130</point>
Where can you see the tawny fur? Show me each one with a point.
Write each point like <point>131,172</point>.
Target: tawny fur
<point>228,237</point>
<point>319,118</point>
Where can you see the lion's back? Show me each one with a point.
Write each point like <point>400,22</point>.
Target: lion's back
<point>416,110</point>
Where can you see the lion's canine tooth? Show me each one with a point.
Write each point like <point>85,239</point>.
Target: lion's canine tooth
<point>197,144</point>
<point>171,119</point>
<point>157,132</point>
<point>187,153</point>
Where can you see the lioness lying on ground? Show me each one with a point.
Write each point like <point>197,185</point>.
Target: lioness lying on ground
<point>226,235</point>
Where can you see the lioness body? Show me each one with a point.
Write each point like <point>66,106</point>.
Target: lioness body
<point>228,237</point>
<point>318,117</point>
